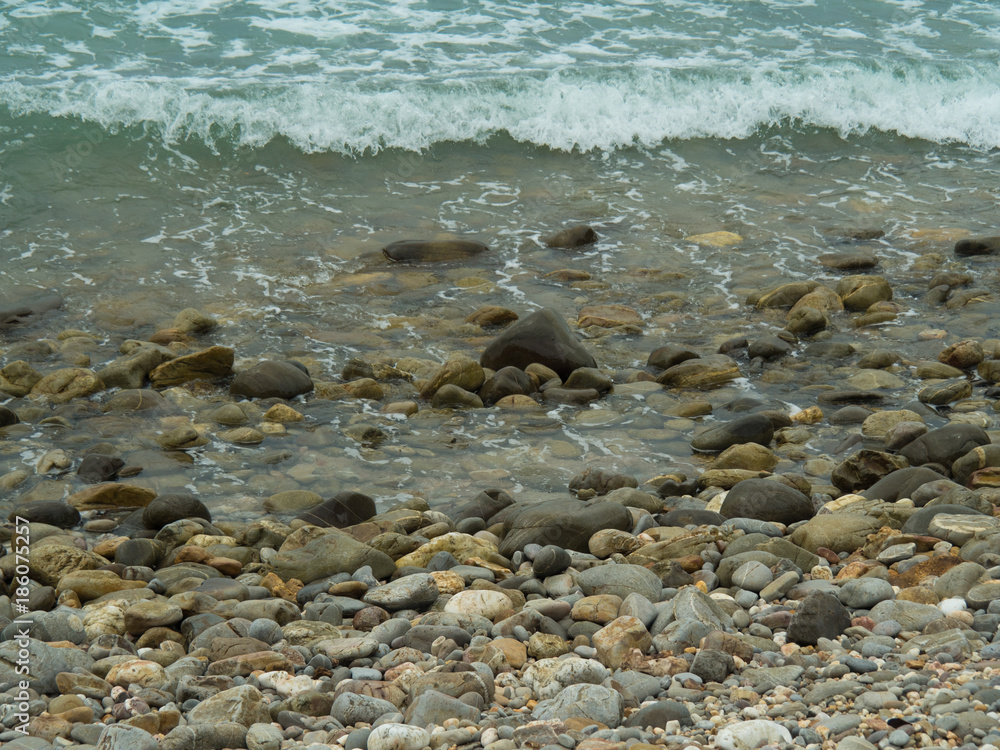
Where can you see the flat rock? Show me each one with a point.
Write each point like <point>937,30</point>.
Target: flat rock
<point>565,523</point>
<point>208,364</point>
<point>334,552</point>
<point>753,428</point>
<point>272,379</point>
<point>432,251</point>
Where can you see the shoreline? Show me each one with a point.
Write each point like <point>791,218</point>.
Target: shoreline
<point>829,567</point>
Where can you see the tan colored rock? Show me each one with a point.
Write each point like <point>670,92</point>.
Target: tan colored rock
<point>461,546</point>
<point>108,619</point>
<point>607,542</point>
<point>861,292</point>
<point>64,385</point>
<point>181,438</point>
<point>822,298</point>
<point>191,320</point>
<point>750,456</point>
<point>283,414</point>
<point>513,650</point>
<point>491,315</point>
<point>91,584</point>
<point>365,388</point>
<point>18,378</point>
<point>137,672</point>
<point>461,371</point>
<point>618,638</point>
<point>600,608</point>
<point>242,436</point>
<point>208,364</point>
<point>608,316</point>
<point>716,239</point>
<point>879,423</point>
<point>51,562</point>
<point>110,495</point>
<point>546,646</point>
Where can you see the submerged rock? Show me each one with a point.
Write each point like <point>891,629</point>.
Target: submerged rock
<point>432,251</point>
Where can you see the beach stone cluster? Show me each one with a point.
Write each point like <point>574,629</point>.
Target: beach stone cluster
<point>771,599</point>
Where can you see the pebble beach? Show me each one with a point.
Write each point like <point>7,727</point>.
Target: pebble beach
<point>825,576</point>
<point>420,375</point>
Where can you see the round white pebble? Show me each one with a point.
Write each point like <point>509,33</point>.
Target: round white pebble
<point>398,737</point>
<point>954,604</point>
<point>749,735</point>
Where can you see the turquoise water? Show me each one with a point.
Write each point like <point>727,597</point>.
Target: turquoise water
<point>251,159</point>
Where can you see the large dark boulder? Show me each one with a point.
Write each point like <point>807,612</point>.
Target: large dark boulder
<point>944,445</point>
<point>901,483</point>
<point>51,512</point>
<point>342,510</point>
<point>565,523</point>
<point>753,428</point>
<point>541,337</point>
<point>272,379</point>
<point>165,509</point>
<point>767,500</point>
<point>98,467</point>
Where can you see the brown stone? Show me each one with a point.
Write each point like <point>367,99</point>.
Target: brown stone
<point>111,495</point>
<point>608,316</point>
<point>208,364</point>
<point>924,572</point>
<point>66,384</point>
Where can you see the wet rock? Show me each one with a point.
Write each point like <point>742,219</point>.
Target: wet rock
<point>51,512</point>
<point>409,592</point>
<point>666,357</point>
<point>451,396</point>
<point>344,509</point>
<point>703,372</point>
<point>20,312</point>
<point>785,295</point>
<point>508,381</point>
<point>568,524</point>
<point>574,237</point>
<point>944,445</point>
<point>272,379</point>
<point>96,467</point>
<point>608,316</point>
<point>601,481</point>
<point>209,364</point>
<point>977,246</point>
<point>491,315</point>
<point>863,469</point>
<point>110,495</point>
<point>620,581</point>
<point>432,251</point>
<point>766,500</point>
<point>861,292</point>
<point>17,378</point>
<point>67,384</point>
<point>165,509</point>
<point>901,483</point>
<point>542,337</point>
<point>963,354</point>
<point>131,371</point>
<point>769,347</point>
<point>753,428</point>
<point>945,392</point>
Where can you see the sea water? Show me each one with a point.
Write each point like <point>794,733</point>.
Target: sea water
<point>251,159</point>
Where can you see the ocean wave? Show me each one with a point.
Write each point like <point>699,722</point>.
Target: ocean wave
<point>605,111</point>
